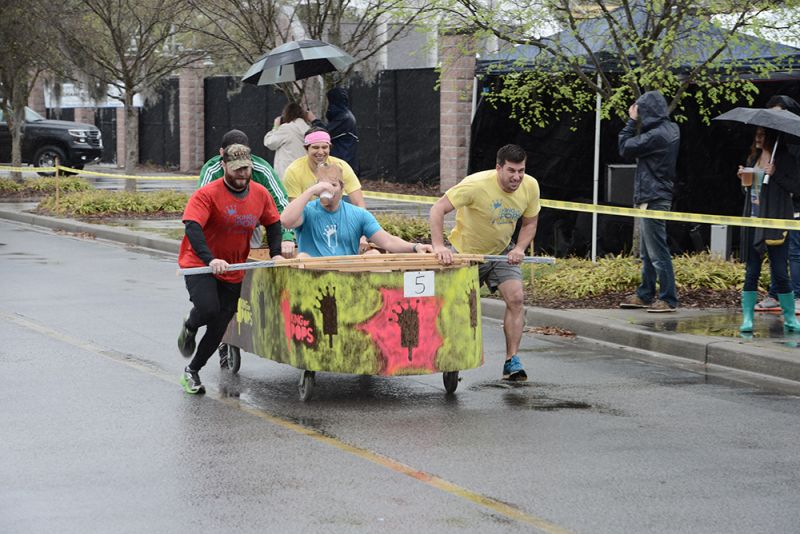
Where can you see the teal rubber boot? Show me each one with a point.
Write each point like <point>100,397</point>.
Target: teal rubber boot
<point>787,305</point>
<point>749,299</point>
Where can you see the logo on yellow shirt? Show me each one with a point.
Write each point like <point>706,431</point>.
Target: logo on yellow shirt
<point>502,215</point>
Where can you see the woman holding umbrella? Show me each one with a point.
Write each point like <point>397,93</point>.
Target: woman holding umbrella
<point>286,137</point>
<point>769,183</point>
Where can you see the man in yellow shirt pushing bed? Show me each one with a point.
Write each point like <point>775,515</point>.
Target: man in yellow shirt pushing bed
<point>488,205</point>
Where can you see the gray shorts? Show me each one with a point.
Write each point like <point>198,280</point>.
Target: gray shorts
<point>494,273</point>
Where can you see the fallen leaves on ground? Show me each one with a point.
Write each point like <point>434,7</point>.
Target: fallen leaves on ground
<point>549,331</point>
<point>82,235</point>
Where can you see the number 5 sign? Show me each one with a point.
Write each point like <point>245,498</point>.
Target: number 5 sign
<point>418,284</point>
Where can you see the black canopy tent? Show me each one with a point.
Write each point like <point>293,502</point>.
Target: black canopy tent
<point>561,155</point>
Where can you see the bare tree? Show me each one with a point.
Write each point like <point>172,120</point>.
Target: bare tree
<point>244,30</point>
<point>133,45</point>
<point>26,50</point>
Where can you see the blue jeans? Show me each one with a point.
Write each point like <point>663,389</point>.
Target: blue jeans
<point>656,258</point>
<point>794,265</point>
<point>779,276</point>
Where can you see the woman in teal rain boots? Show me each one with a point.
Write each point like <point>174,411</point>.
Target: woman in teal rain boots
<point>771,199</point>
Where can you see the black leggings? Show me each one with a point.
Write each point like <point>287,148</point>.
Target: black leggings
<point>214,305</point>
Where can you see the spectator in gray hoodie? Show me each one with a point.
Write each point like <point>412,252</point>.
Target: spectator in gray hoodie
<point>653,139</point>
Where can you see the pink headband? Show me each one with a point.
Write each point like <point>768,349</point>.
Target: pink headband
<point>317,137</point>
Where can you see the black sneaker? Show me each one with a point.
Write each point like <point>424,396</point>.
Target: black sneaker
<point>223,355</point>
<point>186,343</point>
<point>190,380</point>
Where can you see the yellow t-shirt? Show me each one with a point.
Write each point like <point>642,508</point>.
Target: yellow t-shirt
<point>299,176</point>
<point>486,215</point>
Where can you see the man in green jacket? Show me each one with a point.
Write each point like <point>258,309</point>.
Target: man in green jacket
<point>264,175</point>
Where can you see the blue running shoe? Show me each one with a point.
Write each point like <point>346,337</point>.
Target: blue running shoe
<point>513,371</point>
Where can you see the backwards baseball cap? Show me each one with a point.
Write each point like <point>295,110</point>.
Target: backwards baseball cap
<point>317,137</point>
<point>237,156</point>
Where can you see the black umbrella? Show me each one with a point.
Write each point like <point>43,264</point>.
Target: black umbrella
<point>296,60</point>
<point>780,120</point>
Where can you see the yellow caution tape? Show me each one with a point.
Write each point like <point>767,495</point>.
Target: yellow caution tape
<point>93,173</point>
<point>753,222</point>
<point>27,169</point>
<point>417,199</point>
<point>127,176</point>
<point>784,224</point>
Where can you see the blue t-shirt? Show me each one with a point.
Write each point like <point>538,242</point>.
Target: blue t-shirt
<point>325,233</point>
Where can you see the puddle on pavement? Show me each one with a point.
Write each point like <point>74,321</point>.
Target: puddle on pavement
<point>522,395</point>
<point>538,402</point>
<point>26,256</point>
<point>765,326</point>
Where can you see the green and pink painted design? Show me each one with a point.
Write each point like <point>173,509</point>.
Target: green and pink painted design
<point>359,322</point>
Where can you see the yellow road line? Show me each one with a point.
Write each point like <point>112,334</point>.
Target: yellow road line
<point>489,503</point>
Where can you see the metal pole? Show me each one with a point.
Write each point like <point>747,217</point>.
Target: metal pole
<point>596,185</point>
<point>526,259</point>
<point>232,267</point>
<point>58,182</point>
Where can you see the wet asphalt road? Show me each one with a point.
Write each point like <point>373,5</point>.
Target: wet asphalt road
<point>96,435</point>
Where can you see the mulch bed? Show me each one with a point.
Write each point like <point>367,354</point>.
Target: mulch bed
<point>418,188</point>
<point>688,298</point>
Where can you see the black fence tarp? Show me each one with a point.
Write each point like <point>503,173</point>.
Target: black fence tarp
<point>60,114</point>
<point>159,128</point>
<point>561,158</point>
<point>397,117</point>
<point>106,120</point>
<point>398,125</point>
<point>231,104</point>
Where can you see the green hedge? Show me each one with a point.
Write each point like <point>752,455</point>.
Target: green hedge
<point>110,203</point>
<point>577,277</point>
<point>409,228</point>
<point>42,186</point>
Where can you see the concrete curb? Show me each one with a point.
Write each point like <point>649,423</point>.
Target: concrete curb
<point>122,235</point>
<point>766,358</point>
<point>763,358</point>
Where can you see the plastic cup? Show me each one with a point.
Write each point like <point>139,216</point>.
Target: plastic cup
<point>327,196</point>
<point>747,179</point>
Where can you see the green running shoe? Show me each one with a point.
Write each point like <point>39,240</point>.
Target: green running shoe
<point>190,380</point>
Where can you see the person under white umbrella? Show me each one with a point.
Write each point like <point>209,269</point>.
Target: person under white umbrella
<point>287,135</point>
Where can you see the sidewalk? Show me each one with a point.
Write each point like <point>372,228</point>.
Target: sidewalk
<point>708,337</point>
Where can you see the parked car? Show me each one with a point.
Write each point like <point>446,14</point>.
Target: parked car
<point>74,144</point>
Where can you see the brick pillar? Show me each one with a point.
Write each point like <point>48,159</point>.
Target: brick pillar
<point>36,98</point>
<point>191,100</point>
<point>121,136</point>
<point>85,115</point>
<point>455,101</point>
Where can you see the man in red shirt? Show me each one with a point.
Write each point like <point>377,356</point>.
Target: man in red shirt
<point>219,219</point>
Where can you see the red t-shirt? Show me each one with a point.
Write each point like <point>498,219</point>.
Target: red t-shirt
<point>227,223</point>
